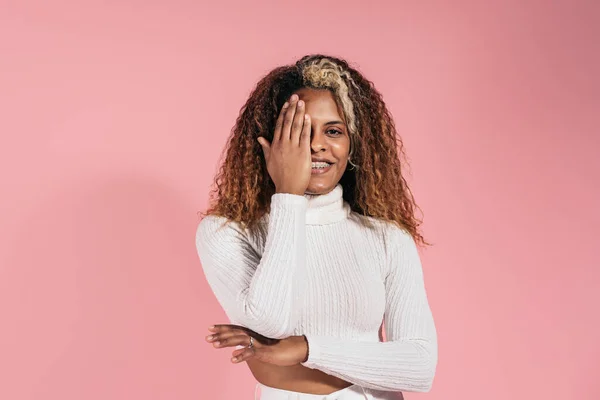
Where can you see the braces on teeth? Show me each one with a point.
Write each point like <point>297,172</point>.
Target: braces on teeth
<point>320,165</point>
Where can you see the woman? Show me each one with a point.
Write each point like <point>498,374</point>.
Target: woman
<point>310,242</point>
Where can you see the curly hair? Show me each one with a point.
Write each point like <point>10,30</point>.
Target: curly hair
<point>374,185</point>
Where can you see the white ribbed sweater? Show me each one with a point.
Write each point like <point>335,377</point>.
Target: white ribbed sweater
<point>316,269</point>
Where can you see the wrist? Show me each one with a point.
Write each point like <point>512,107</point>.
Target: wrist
<point>290,190</point>
<point>306,348</point>
<point>283,191</point>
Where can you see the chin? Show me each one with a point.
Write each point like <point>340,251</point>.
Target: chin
<point>320,187</point>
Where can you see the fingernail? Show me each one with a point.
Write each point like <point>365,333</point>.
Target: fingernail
<point>286,104</point>
<point>294,97</point>
<point>210,337</point>
<point>216,344</point>
<point>210,328</point>
<point>234,359</point>
<point>300,103</point>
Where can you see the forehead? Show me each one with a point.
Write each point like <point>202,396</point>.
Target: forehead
<point>320,103</point>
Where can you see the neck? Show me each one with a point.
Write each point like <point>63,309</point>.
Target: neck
<point>326,208</point>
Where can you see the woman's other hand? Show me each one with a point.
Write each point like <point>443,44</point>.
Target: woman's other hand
<point>288,156</point>
<point>282,352</point>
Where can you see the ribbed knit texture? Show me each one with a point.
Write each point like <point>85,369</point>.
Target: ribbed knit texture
<point>317,269</point>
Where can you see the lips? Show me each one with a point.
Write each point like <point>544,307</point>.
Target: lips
<point>322,160</point>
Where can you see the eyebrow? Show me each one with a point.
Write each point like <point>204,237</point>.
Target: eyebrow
<point>333,123</point>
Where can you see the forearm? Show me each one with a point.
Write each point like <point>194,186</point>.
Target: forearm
<point>272,303</point>
<point>407,365</point>
<point>261,292</point>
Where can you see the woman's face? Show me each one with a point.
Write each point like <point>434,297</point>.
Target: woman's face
<point>329,139</point>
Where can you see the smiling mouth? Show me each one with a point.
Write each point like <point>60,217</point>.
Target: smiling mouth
<point>319,168</point>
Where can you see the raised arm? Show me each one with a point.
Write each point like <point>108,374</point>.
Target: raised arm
<point>262,293</point>
<point>407,361</point>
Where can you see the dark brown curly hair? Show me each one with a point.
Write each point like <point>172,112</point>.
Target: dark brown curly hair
<point>374,185</point>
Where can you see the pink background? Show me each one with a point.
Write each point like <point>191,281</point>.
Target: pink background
<point>113,116</point>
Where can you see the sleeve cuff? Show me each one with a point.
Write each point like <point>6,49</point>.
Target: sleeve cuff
<point>288,199</point>
<point>313,352</point>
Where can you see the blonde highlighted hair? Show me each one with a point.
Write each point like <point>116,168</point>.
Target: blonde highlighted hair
<point>324,73</point>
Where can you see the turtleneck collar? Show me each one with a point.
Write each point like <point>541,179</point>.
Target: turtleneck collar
<point>327,208</point>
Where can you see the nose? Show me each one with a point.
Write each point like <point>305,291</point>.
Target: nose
<point>318,141</point>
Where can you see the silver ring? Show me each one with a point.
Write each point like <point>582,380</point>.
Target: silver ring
<point>251,342</point>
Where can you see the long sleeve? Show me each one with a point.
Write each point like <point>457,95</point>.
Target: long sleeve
<point>262,293</point>
<point>408,359</point>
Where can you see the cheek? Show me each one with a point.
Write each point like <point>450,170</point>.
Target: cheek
<point>340,149</point>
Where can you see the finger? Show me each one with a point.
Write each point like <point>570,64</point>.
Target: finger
<point>219,337</point>
<point>237,340</point>
<point>279,123</point>
<point>237,352</point>
<point>289,118</point>
<point>244,354</point>
<point>298,122</point>
<point>218,328</point>
<point>306,130</point>
<point>244,330</point>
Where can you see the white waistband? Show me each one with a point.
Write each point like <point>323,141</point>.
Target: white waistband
<point>354,392</point>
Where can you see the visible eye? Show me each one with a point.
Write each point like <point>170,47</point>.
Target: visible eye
<point>334,132</point>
